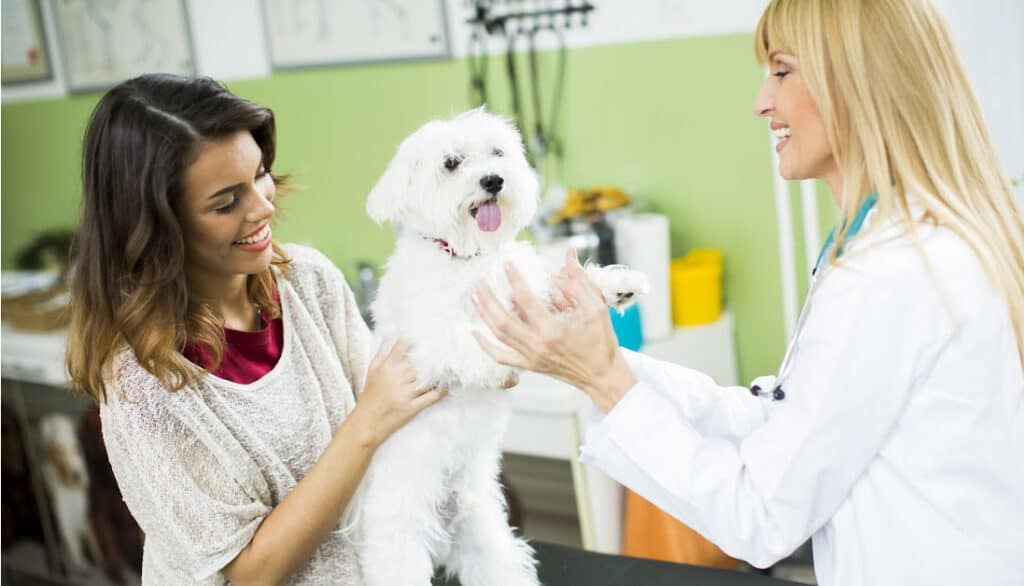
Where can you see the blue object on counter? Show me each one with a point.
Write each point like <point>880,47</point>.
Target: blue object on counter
<point>627,327</point>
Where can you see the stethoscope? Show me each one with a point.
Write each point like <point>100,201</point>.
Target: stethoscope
<point>778,393</point>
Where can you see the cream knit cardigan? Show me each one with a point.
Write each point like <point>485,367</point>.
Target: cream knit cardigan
<point>202,467</point>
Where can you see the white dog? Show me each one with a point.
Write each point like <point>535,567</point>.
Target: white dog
<point>459,190</point>
<point>67,481</point>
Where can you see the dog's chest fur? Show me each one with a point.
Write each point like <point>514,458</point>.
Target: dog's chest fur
<point>424,298</point>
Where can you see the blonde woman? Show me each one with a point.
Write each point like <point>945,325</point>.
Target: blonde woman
<point>892,432</point>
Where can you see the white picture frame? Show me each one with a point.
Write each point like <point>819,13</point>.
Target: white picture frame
<point>322,33</point>
<point>102,44</point>
<point>25,53</point>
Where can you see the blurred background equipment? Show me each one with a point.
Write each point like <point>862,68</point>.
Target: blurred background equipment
<point>67,483</point>
<point>513,20</point>
<point>642,243</point>
<point>36,297</point>
<point>118,535</point>
<point>590,200</point>
<point>20,520</point>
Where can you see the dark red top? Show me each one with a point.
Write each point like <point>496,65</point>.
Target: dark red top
<point>247,355</point>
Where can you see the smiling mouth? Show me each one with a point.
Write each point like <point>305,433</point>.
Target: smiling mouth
<point>257,236</point>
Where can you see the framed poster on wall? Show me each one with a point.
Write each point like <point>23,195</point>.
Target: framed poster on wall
<point>104,43</point>
<point>310,33</point>
<point>25,58</point>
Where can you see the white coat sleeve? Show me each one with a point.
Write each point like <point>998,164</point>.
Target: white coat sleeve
<point>727,412</point>
<point>868,338</point>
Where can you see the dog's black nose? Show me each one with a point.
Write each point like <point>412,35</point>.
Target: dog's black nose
<point>492,183</point>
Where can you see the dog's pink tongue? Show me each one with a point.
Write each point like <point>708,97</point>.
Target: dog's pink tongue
<point>488,217</point>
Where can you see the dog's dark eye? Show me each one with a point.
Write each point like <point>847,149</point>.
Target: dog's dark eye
<point>498,153</point>
<point>452,163</point>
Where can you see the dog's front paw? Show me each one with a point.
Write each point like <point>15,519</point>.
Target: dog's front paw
<point>620,285</point>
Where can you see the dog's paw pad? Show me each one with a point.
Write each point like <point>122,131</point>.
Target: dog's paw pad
<point>620,286</point>
<point>623,297</point>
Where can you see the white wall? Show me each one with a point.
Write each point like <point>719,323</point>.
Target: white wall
<point>990,37</point>
<point>229,40</point>
<point>229,43</point>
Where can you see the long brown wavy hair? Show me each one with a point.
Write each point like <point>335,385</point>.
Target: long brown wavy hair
<point>128,285</point>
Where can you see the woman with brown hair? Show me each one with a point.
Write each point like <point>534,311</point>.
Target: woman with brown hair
<point>226,366</point>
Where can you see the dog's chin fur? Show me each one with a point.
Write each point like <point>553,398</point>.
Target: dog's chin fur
<point>431,496</point>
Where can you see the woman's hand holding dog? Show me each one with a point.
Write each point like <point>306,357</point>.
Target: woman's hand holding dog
<point>582,350</point>
<point>392,397</point>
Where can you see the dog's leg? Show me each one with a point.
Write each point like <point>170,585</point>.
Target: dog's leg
<point>398,527</point>
<point>392,544</point>
<point>395,555</point>
<point>620,285</point>
<point>485,551</point>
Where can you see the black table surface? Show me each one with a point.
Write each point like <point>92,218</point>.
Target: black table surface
<point>558,565</point>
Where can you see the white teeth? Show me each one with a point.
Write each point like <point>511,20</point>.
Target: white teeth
<point>257,237</point>
<point>781,133</point>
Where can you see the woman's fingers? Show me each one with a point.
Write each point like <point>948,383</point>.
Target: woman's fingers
<point>559,302</point>
<point>398,350</point>
<point>561,285</point>
<point>501,355</point>
<point>428,398</point>
<point>584,292</point>
<point>509,329</point>
<point>572,266</point>
<point>511,381</point>
<point>577,291</point>
<point>531,307</point>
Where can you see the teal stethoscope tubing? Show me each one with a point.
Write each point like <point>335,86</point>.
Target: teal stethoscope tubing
<point>778,393</point>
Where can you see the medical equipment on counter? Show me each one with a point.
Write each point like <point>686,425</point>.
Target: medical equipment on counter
<point>778,393</point>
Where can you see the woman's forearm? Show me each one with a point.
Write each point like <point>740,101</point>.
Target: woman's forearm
<point>297,526</point>
<point>608,387</point>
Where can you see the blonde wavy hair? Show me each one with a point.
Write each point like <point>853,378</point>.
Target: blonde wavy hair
<point>128,285</point>
<point>901,118</point>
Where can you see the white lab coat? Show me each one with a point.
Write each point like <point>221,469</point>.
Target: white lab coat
<point>897,447</point>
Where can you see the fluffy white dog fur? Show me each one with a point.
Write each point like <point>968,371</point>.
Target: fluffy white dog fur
<point>67,481</point>
<point>459,191</point>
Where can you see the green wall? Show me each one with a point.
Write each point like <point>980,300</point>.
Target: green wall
<point>669,121</point>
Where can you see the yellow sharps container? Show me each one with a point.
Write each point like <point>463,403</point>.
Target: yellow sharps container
<point>697,287</point>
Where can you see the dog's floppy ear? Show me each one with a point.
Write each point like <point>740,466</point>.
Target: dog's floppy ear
<point>386,202</point>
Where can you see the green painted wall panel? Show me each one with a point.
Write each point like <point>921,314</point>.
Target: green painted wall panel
<point>669,121</point>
